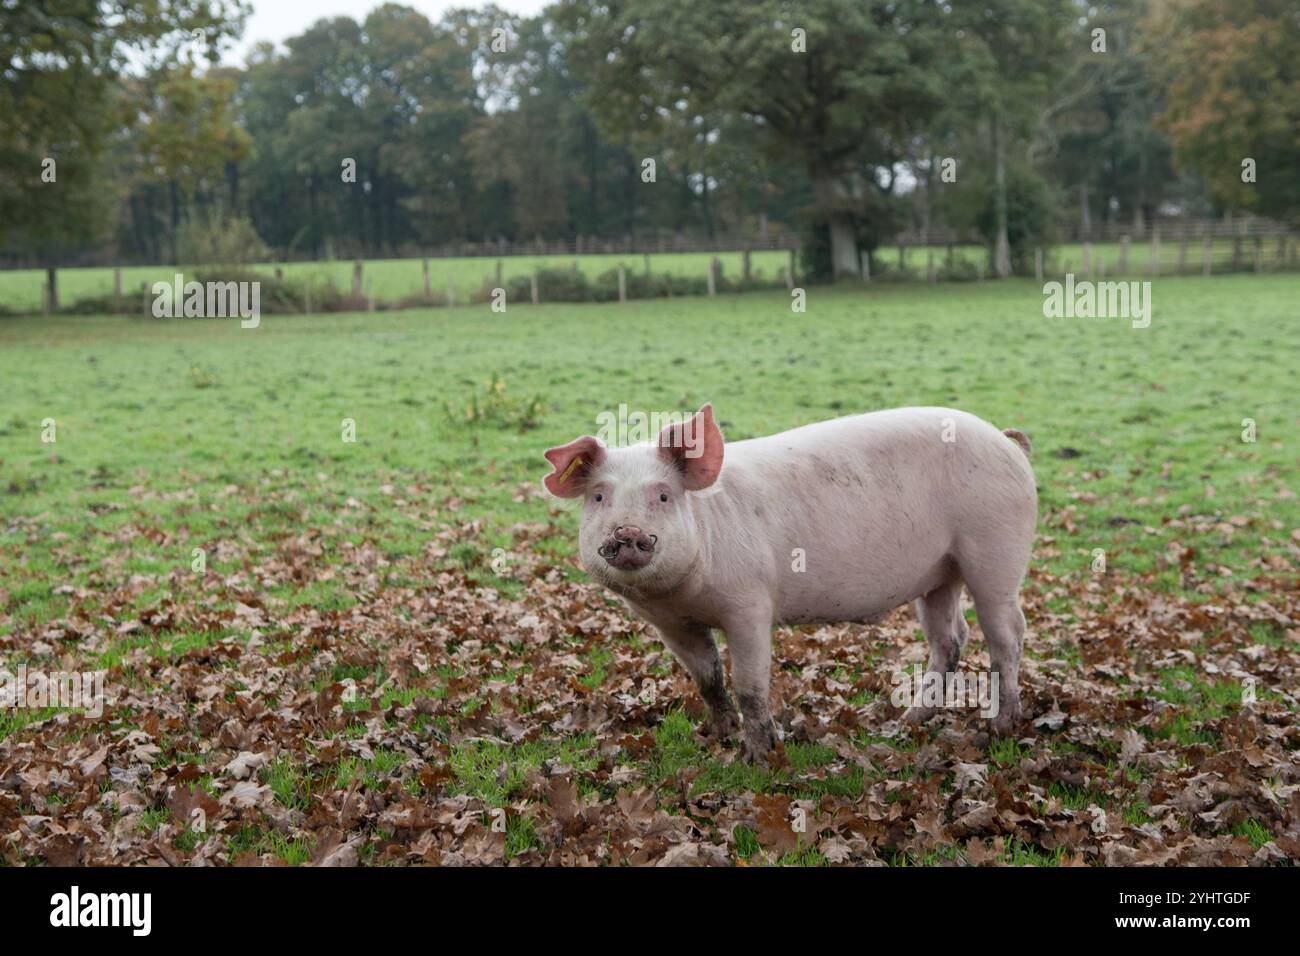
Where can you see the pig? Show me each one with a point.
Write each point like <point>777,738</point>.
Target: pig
<point>885,508</point>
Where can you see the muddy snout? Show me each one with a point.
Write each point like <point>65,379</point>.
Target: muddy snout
<point>628,548</point>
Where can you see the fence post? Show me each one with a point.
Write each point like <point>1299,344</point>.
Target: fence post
<point>428,291</point>
<point>356,279</point>
<point>949,260</point>
<point>1182,255</point>
<point>789,269</point>
<point>1038,264</point>
<point>117,288</point>
<point>499,274</point>
<point>451,293</point>
<point>647,264</point>
<point>1207,255</point>
<point>866,266</point>
<point>622,283</point>
<point>745,264</point>
<point>52,281</point>
<point>1123,254</point>
<point>712,278</point>
<point>1155,251</point>
<point>532,283</point>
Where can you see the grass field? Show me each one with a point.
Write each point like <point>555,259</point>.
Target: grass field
<point>421,564</point>
<point>393,279</point>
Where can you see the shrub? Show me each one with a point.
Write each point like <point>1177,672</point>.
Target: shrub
<point>961,270</point>
<point>553,285</point>
<point>222,242</point>
<point>493,406</point>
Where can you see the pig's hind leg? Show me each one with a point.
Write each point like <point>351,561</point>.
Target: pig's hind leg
<point>946,631</point>
<point>995,586</point>
<point>1003,624</point>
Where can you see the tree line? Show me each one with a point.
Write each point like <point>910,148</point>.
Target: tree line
<point>848,120</point>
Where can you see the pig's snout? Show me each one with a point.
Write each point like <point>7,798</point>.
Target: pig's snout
<point>628,548</point>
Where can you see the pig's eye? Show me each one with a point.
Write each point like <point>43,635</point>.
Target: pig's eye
<point>663,496</point>
<point>599,496</point>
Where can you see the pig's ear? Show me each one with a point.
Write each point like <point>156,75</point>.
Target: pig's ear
<point>572,463</point>
<point>695,448</point>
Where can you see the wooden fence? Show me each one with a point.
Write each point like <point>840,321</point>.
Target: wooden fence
<point>1157,255</point>
<point>1170,228</point>
<point>1170,248</point>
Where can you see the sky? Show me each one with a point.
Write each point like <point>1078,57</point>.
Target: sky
<point>276,20</point>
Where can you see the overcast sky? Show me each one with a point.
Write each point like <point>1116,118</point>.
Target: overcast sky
<point>276,20</point>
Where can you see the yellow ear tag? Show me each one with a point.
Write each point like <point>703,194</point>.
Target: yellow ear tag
<point>576,463</point>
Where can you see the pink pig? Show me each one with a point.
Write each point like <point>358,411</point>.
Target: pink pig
<point>884,508</point>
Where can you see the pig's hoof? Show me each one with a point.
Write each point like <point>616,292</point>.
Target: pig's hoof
<point>756,753</point>
<point>720,727</point>
<point>759,745</point>
<point>1006,721</point>
<point>916,714</point>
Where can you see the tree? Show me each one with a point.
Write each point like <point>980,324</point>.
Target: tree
<point>1009,54</point>
<point>1097,127</point>
<point>61,61</point>
<point>1232,96</point>
<point>835,84</point>
<point>357,134</point>
<point>188,138</point>
<point>521,145</point>
<point>436,81</point>
<point>304,111</point>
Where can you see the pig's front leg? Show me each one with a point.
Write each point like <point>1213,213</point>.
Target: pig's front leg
<point>694,646</point>
<point>749,639</point>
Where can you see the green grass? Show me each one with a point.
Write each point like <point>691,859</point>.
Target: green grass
<point>1254,831</point>
<point>677,748</point>
<point>288,782</point>
<point>12,721</point>
<point>1026,854</point>
<point>494,771</point>
<point>254,840</point>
